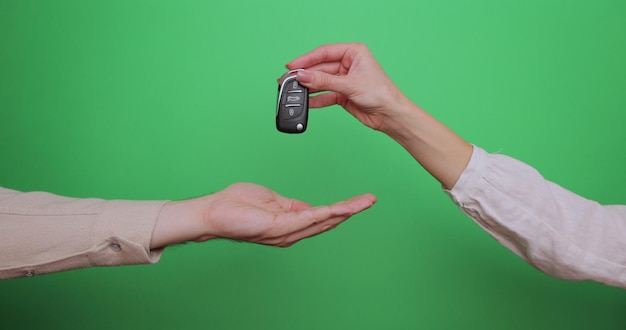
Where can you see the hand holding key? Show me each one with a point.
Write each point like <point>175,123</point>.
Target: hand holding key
<point>352,78</point>
<point>349,75</point>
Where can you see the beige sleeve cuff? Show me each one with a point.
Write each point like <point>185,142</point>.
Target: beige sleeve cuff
<point>122,232</point>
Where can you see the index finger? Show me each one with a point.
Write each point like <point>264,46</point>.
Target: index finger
<point>322,54</point>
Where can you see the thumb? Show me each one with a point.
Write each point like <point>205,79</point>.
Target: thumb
<point>323,81</point>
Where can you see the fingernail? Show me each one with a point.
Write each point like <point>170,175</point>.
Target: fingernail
<point>304,76</point>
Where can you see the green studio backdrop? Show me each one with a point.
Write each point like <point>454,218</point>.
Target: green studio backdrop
<point>176,99</point>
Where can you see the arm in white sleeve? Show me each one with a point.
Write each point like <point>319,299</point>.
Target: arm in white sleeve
<point>42,233</point>
<point>555,230</point>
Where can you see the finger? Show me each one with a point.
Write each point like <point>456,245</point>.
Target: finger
<point>290,204</point>
<point>325,53</point>
<point>322,81</point>
<point>328,67</point>
<point>350,206</point>
<point>313,230</point>
<point>296,206</point>
<point>299,220</point>
<point>323,100</point>
<point>359,203</point>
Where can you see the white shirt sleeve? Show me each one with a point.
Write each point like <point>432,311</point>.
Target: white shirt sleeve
<point>555,230</point>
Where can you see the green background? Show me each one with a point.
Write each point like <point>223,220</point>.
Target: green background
<point>175,99</point>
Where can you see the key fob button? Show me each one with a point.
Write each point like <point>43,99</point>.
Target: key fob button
<point>294,98</point>
<point>291,112</point>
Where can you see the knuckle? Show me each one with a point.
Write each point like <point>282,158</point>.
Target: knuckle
<point>324,54</point>
<point>329,227</point>
<point>360,45</point>
<point>324,81</point>
<point>285,244</point>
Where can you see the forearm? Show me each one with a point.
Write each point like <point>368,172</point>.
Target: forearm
<point>437,148</point>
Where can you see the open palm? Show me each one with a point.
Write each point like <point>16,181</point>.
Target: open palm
<point>249,212</point>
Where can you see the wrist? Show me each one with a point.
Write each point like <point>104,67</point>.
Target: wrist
<point>402,118</point>
<point>181,221</point>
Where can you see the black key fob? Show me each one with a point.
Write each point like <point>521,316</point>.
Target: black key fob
<point>292,108</point>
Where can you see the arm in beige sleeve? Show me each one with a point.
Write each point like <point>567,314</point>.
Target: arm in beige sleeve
<point>555,230</point>
<point>42,233</point>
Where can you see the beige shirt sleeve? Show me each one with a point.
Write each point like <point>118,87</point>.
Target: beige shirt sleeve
<point>555,230</point>
<point>42,233</point>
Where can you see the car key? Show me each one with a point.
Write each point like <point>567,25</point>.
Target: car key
<point>292,109</point>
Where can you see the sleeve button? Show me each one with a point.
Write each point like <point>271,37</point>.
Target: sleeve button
<point>116,247</point>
